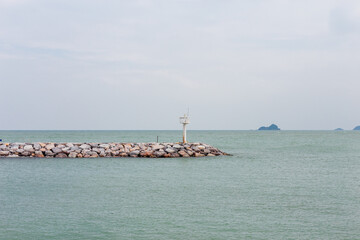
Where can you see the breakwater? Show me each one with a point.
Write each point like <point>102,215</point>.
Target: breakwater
<point>91,150</point>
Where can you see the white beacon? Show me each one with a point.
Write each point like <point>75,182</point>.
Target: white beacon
<point>184,120</point>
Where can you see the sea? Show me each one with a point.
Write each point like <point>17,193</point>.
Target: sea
<point>276,185</point>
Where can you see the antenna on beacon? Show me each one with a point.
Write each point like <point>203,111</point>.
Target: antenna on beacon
<point>184,120</point>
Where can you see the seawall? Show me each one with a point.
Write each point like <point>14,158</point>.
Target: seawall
<point>93,150</point>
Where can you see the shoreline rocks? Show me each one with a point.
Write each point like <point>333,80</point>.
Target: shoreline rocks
<point>94,150</point>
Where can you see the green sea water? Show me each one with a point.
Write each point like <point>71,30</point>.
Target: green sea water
<point>277,185</point>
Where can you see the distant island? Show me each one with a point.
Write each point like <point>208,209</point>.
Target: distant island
<point>271,127</point>
<point>357,128</point>
<point>339,129</point>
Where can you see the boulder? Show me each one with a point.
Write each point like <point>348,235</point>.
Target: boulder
<point>94,155</point>
<point>66,150</point>
<point>61,155</point>
<point>37,146</point>
<point>157,146</point>
<point>183,153</point>
<point>49,153</point>
<point>199,154</point>
<point>25,153</point>
<point>39,154</point>
<point>190,152</point>
<point>74,148</point>
<point>104,145</point>
<point>170,150</point>
<point>134,153</point>
<point>85,146</point>
<point>56,150</point>
<point>4,153</point>
<point>175,155</point>
<point>20,150</point>
<point>70,145</point>
<point>177,146</point>
<point>158,154</point>
<point>3,147</point>
<point>49,146</point>
<point>28,148</point>
<point>206,151</point>
<point>201,147</point>
<point>73,155</point>
<point>123,154</point>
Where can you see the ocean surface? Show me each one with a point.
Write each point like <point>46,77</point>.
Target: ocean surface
<point>277,185</point>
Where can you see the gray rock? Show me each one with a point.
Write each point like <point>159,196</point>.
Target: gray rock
<point>28,148</point>
<point>3,147</point>
<point>70,145</point>
<point>158,154</point>
<point>170,150</point>
<point>183,153</point>
<point>74,148</point>
<point>136,152</point>
<point>104,145</point>
<point>39,154</point>
<point>199,155</point>
<point>25,153</point>
<point>4,153</point>
<point>49,146</point>
<point>72,155</point>
<point>85,146</point>
<point>97,150</point>
<point>115,153</point>
<point>49,153</point>
<point>20,150</point>
<point>61,155</point>
<point>157,146</point>
<point>56,150</point>
<point>66,150</point>
<point>37,146</point>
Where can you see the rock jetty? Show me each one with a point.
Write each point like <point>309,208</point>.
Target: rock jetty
<point>93,150</point>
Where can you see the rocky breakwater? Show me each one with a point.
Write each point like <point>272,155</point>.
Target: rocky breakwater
<point>91,150</point>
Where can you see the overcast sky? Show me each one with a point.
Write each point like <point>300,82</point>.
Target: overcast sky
<point>139,64</point>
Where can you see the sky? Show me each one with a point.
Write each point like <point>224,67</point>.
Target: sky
<point>140,64</point>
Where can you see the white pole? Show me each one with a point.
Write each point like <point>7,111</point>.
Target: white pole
<point>184,133</point>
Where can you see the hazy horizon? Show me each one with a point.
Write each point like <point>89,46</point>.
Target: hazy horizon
<point>138,65</point>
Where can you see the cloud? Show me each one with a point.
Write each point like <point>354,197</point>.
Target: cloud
<point>260,59</point>
<point>12,3</point>
<point>345,19</point>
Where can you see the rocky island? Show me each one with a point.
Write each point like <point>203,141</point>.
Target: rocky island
<point>93,150</point>
<point>271,127</point>
<point>357,128</point>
